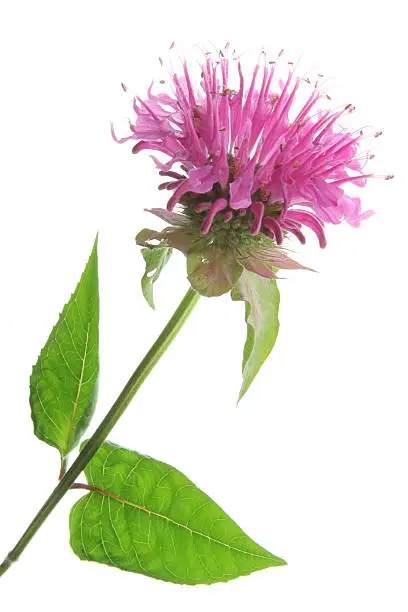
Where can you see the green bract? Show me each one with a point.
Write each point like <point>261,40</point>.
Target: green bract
<point>227,259</point>
<point>211,271</point>
<point>155,260</point>
<point>216,260</point>
<point>261,297</point>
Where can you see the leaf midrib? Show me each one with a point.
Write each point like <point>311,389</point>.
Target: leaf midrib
<point>93,489</point>
<point>80,384</point>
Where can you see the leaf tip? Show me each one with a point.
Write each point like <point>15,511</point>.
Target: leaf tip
<point>280,562</point>
<point>239,398</point>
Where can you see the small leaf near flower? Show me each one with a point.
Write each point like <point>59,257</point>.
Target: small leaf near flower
<point>156,259</point>
<point>171,237</point>
<point>63,383</point>
<point>261,296</point>
<point>144,516</point>
<point>215,262</point>
<point>212,271</point>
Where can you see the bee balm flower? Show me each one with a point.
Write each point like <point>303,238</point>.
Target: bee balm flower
<point>245,167</point>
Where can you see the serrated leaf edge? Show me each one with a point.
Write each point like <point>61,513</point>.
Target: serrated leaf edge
<point>43,437</point>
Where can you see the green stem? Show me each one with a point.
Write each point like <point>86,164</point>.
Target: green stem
<point>135,381</point>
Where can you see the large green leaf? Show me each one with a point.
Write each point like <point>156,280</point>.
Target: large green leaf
<point>155,258</point>
<point>63,383</point>
<point>147,517</point>
<point>261,296</point>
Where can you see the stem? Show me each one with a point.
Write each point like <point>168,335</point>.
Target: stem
<point>135,381</point>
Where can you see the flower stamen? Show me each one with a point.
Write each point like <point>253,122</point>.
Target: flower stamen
<point>249,155</point>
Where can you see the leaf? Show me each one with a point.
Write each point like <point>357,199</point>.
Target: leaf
<point>155,258</point>
<point>147,517</point>
<point>261,296</point>
<point>63,383</point>
<point>211,271</point>
<point>170,237</point>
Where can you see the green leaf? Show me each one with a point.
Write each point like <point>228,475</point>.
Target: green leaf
<point>155,258</point>
<point>147,517</point>
<point>261,296</point>
<point>170,237</point>
<point>211,271</point>
<point>63,383</point>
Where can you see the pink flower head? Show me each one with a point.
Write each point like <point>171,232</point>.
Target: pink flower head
<point>252,151</point>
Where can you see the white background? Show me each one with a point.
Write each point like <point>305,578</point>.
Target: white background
<point>313,463</point>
